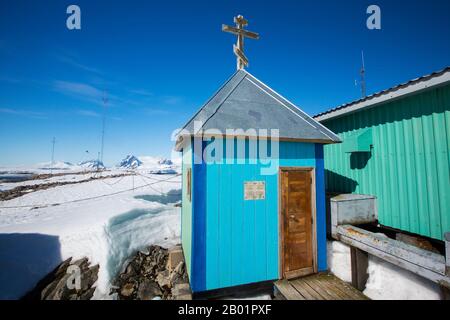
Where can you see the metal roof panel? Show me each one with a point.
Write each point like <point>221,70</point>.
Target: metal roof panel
<point>244,102</point>
<point>422,83</point>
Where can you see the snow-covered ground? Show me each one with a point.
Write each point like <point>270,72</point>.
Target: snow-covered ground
<point>105,220</point>
<point>339,260</point>
<point>386,281</point>
<point>108,220</point>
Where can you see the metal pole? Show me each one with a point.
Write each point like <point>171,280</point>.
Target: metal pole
<point>53,155</point>
<point>363,77</point>
<point>105,101</point>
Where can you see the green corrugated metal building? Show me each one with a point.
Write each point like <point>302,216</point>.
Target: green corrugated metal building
<point>396,147</point>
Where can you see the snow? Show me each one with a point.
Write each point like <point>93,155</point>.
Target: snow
<point>108,220</point>
<point>92,164</point>
<point>155,163</point>
<point>85,170</point>
<point>42,168</point>
<point>106,229</point>
<point>339,261</point>
<point>130,162</point>
<point>386,281</point>
<point>58,165</point>
<point>389,282</point>
<point>150,162</point>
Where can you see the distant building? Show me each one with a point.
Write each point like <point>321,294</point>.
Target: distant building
<point>240,224</point>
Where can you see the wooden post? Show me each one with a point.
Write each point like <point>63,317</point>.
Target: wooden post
<point>445,293</point>
<point>359,263</point>
<point>447,253</point>
<point>445,290</point>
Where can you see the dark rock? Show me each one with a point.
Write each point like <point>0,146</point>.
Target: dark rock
<point>182,291</point>
<point>87,295</point>
<point>163,280</point>
<point>131,269</point>
<point>179,268</point>
<point>148,290</point>
<point>127,290</point>
<point>58,291</point>
<point>89,278</point>
<point>81,263</point>
<point>57,284</point>
<point>62,268</point>
<point>147,276</point>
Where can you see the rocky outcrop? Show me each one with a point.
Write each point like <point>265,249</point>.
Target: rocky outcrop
<point>147,277</point>
<point>69,281</point>
<point>26,189</point>
<point>166,162</point>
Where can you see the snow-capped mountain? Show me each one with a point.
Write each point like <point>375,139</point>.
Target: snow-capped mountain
<point>92,164</point>
<point>61,165</point>
<point>145,162</point>
<point>157,165</point>
<point>130,162</point>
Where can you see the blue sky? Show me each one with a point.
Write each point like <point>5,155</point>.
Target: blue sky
<point>160,60</point>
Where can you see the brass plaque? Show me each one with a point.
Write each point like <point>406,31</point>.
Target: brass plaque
<point>255,190</point>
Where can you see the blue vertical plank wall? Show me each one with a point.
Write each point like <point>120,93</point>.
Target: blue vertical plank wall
<point>198,278</point>
<point>236,242</point>
<point>321,209</point>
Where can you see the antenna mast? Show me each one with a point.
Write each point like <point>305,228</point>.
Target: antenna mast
<point>105,102</point>
<point>53,155</point>
<point>363,77</point>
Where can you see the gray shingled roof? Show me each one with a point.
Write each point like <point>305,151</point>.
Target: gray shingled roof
<point>244,102</point>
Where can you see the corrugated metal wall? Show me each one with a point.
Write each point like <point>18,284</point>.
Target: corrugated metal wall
<point>408,168</point>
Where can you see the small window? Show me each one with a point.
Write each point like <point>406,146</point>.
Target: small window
<point>189,184</point>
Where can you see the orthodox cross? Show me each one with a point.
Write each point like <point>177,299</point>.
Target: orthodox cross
<point>238,48</point>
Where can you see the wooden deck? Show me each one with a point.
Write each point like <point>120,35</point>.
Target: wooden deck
<point>318,287</point>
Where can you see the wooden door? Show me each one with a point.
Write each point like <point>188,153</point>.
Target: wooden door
<point>297,220</point>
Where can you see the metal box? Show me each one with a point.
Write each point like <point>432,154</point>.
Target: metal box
<point>353,209</point>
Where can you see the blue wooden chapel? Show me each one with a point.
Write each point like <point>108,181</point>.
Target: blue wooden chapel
<point>239,225</point>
